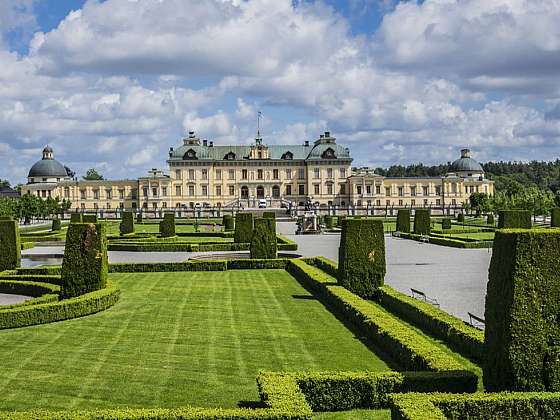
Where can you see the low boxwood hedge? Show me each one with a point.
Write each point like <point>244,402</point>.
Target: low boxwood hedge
<point>454,243</point>
<point>411,349</point>
<point>210,265</point>
<point>75,307</point>
<point>250,264</point>
<point>41,270</point>
<point>38,278</point>
<point>478,406</point>
<point>511,219</point>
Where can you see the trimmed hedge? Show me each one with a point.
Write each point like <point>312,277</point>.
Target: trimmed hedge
<point>454,243</point>
<point>340,220</point>
<point>522,307</point>
<point>176,246</point>
<point>139,218</point>
<point>27,288</point>
<point>76,218</point>
<point>10,246</point>
<point>85,264</point>
<point>461,217</point>
<point>479,406</point>
<point>228,222</point>
<point>56,225</point>
<point>403,220</point>
<point>422,224</point>
<point>38,278</point>
<point>251,264</point>
<point>555,217</point>
<point>463,338</point>
<point>41,270</point>
<point>167,225</point>
<point>490,219</point>
<point>243,227</point>
<point>210,265</point>
<point>511,219</point>
<point>263,243</point>
<point>285,244</point>
<point>75,307</point>
<point>127,223</point>
<point>412,350</point>
<point>446,223</point>
<point>361,256</point>
<point>89,218</point>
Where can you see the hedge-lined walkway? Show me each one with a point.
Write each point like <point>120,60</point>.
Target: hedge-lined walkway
<point>177,339</point>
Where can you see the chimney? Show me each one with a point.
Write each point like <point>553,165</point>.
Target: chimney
<point>465,153</point>
<point>327,134</point>
<point>306,144</point>
<point>170,151</point>
<point>205,142</point>
<point>211,144</point>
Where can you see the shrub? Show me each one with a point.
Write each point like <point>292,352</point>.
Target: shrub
<point>139,217</point>
<point>228,222</point>
<point>522,304</point>
<point>329,222</point>
<point>263,243</point>
<point>167,225</point>
<point>76,218</point>
<point>89,303</point>
<point>403,220</point>
<point>490,219</point>
<point>511,219</point>
<point>446,223</point>
<point>422,222</point>
<point>340,220</point>
<point>555,217</point>
<point>127,223</point>
<point>85,265</point>
<point>251,264</point>
<point>211,265</point>
<point>243,227</point>
<point>361,256</point>
<point>10,246</point>
<point>89,218</point>
<point>396,338</point>
<point>56,225</point>
<point>461,217</point>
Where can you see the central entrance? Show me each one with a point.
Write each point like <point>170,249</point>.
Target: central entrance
<point>260,191</point>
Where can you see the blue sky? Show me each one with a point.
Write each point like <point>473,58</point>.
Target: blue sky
<point>113,84</point>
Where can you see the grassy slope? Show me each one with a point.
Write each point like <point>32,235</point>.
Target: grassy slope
<point>177,339</point>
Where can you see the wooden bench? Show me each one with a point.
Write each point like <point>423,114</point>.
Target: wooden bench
<point>418,294</point>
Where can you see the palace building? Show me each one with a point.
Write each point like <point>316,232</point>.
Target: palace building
<point>201,174</point>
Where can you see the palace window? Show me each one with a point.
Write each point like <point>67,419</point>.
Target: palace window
<point>378,189</point>
<point>368,189</point>
<point>121,194</point>
<point>401,191</point>
<point>218,190</point>
<point>288,156</point>
<point>412,202</point>
<point>244,174</point>
<point>133,193</point>
<point>377,202</point>
<point>190,155</point>
<point>425,202</point>
<point>288,190</point>
<point>231,174</point>
<point>205,174</point>
<point>387,191</point>
<point>413,190</point>
<point>229,156</point>
<point>108,206</point>
<point>275,174</point>
<point>164,205</point>
<point>301,173</point>
<point>154,206</point>
<point>329,173</point>
<point>191,190</point>
<point>178,190</point>
<point>96,194</point>
<point>328,154</point>
<point>438,190</point>
<point>316,173</point>
<point>358,189</point>
<point>82,206</point>
<point>164,191</point>
<point>329,189</point>
<point>260,174</point>
<point>154,192</point>
<point>108,194</point>
<point>316,189</point>
<point>343,172</point>
<point>219,174</point>
<point>231,190</point>
<point>191,174</point>
<point>388,202</point>
<point>95,206</point>
<point>438,202</point>
<point>177,174</point>
<point>425,190</point>
<point>342,188</point>
<point>288,174</point>
<point>66,192</point>
<point>301,189</point>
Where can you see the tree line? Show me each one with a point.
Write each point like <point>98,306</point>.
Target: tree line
<point>30,207</point>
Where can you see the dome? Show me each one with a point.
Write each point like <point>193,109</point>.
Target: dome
<point>465,163</point>
<point>48,168</point>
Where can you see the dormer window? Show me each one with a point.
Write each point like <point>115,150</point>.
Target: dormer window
<point>229,156</point>
<point>190,155</point>
<point>328,154</point>
<point>288,156</point>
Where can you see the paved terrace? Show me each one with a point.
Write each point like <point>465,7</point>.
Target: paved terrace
<point>455,277</point>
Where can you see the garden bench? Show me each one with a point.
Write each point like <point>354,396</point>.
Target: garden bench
<point>418,294</point>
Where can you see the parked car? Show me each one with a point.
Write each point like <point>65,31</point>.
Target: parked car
<point>262,203</point>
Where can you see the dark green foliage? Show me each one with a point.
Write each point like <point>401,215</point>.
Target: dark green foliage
<point>167,225</point>
<point>403,220</point>
<point>490,219</point>
<point>329,222</point>
<point>44,270</point>
<point>174,246</point>
<point>228,222</point>
<point>422,225</point>
<point>36,278</point>
<point>243,227</point>
<point>339,220</point>
<point>127,223</point>
<point>75,307</point>
<point>361,256</point>
<point>89,218</point>
<point>139,217</point>
<point>446,223</point>
<point>511,219</point>
<point>27,288</point>
<point>270,215</point>
<point>522,306</point>
<point>252,264</point>
<point>263,242</point>
<point>552,369</point>
<point>389,333</point>
<point>76,218</point>
<point>10,246</point>
<point>285,244</point>
<point>212,265</point>
<point>451,242</point>
<point>85,264</point>
<point>555,217</point>
<point>461,217</point>
<point>56,226</point>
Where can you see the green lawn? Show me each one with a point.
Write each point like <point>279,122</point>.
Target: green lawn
<point>481,236</point>
<point>175,339</point>
<point>113,228</point>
